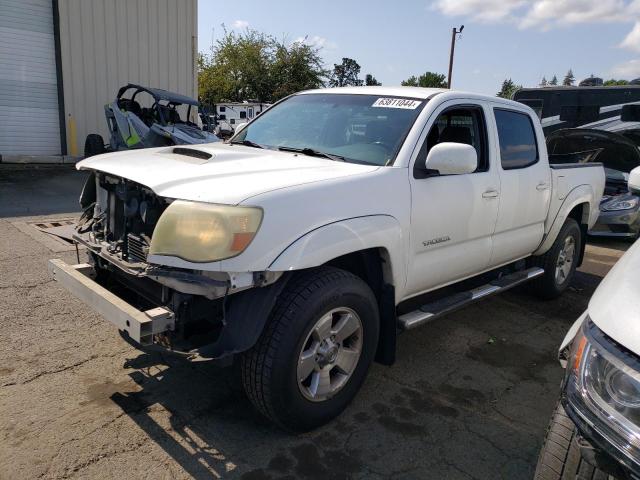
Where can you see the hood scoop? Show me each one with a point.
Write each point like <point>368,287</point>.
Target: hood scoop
<point>192,155</point>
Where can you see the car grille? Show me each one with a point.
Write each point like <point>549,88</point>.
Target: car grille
<point>137,248</point>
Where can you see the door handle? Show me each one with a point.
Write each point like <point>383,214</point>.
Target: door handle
<point>490,194</point>
<point>542,186</point>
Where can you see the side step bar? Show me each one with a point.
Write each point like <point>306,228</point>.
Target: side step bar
<point>436,309</point>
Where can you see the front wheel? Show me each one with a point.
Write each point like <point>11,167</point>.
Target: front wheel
<point>93,145</point>
<point>315,350</point>
<point>560,457</point>
<point>560,262</point>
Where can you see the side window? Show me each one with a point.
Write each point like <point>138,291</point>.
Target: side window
<point>243,114</point>
<point>223,109</point>
<point>518,146</point>
<point>457,125</point>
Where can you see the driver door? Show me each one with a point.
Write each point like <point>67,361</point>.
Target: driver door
<point>453,217</point>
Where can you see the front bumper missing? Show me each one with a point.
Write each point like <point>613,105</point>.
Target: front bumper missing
<point>141,326</point>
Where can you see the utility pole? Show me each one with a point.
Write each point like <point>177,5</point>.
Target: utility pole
<point>454,33</point>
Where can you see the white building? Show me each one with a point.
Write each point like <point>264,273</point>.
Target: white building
<point>61,61</point>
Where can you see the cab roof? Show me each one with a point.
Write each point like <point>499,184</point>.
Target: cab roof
<point>413,92</point>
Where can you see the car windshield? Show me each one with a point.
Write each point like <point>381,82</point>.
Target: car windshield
<point>366,129</point>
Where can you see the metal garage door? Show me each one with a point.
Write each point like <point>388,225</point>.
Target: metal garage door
<point>29,123</point>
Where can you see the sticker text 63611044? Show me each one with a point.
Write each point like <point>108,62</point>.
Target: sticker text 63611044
<point>406,103</point>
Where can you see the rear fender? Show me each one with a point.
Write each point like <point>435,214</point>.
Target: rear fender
<point>580,194</point>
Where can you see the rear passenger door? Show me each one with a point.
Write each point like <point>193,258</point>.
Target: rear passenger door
<point>525,182</point>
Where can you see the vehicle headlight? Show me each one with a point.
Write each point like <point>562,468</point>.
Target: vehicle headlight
<point>201,232</point>
<point>625,204</point>
<point>603,388</point>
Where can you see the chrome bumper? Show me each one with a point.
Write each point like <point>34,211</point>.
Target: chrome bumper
<point>140,326</point>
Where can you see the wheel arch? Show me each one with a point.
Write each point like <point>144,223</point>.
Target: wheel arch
<point>576,205</point>
<point>370,248</point>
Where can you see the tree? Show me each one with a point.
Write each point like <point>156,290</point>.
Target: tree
<point>543,82</point>
<point>569,79</point>
<point>427,80</point>
<point>612,82</point>
<point>553,81</point>
<point>296,67</point>
<point>371,81</point>
<point>345,74</point>
<point>253,65</point>
<point>508,89</point>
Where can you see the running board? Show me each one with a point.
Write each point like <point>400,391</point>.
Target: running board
<point>445,305</point>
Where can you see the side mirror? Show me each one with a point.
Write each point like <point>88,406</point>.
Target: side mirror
<point>453,158</point>
<point>239,127</point>
<point>634,181</point>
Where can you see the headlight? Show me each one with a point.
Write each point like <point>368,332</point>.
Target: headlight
<point>625,204</point>
<point>201,232</point>
<point>603,388</point>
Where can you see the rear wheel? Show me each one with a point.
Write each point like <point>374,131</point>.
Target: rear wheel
<point>315,351</point>
<point>560,457</point>
<point>560,262</point>
<point>93,145</point>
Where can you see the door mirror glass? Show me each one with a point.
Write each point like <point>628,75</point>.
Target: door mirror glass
<point>450,158</point>
<point>634,180</point>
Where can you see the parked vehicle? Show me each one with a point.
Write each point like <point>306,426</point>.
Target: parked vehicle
<point>161,124</point>
<point>594,432</point>
<point>595,123</point>
<point>324,225</point>
<point>230,115</point>
<point>619,209</point>
<point>598,107</point>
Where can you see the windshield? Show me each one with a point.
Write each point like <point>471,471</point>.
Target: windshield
<point>355,128</point>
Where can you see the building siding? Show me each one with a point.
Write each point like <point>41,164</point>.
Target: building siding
<point>106,44</point>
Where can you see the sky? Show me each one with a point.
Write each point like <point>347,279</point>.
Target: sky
<point>519,39</point>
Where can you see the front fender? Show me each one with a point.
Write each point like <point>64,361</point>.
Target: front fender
<point>325,243</point>
<point>580,194</point>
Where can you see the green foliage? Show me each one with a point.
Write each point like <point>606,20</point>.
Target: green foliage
<point>569,79</point>
<point>345,74</point>
<point>613,82</point>
<point>554,81</point>
<point>253,65</point>
<point>544,82</point>
<point>371,81</point>
<point>427,80</point>
<point>508,89</point>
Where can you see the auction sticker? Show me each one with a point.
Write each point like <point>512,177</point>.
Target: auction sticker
<point>405,103</point>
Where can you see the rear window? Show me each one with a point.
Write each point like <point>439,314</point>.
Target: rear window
<point>518,147</point>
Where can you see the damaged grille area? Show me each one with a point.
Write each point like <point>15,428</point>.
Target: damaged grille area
<point>137,248</point>
<point>121,219</point>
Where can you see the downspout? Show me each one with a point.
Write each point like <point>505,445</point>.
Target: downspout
<point>59,80</point>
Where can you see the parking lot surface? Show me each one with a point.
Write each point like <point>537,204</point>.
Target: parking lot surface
<point>469,396</point>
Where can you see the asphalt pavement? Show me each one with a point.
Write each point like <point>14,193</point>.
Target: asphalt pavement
<point>468,398</point>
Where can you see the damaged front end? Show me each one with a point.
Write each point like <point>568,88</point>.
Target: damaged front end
<point>200,314</point>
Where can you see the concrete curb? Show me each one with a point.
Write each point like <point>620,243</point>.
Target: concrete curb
<point>40,159</point>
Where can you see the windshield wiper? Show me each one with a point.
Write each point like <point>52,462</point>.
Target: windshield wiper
<point>312,153</point>
<point>247,143</point>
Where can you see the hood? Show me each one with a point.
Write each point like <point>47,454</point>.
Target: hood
<point>615,305</point>
<point>218,173</point>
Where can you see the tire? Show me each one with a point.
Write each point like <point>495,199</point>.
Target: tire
<point>93,145</point>
<point>560,457</point>
<point>548,286</point>
<point>271,369</point>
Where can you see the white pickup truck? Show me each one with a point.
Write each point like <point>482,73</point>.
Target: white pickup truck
<point>322,228</point>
